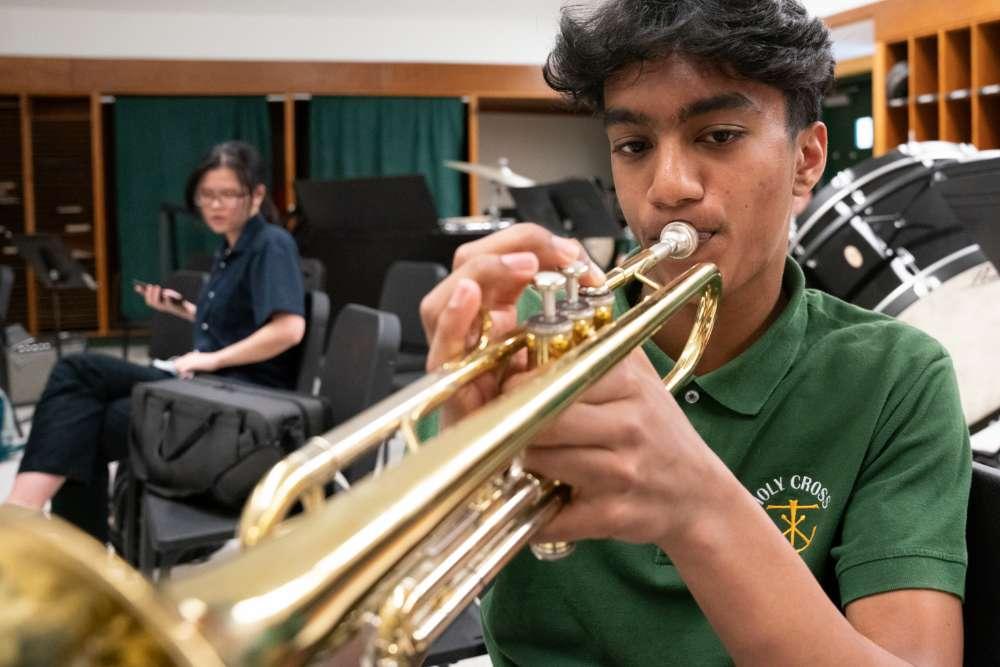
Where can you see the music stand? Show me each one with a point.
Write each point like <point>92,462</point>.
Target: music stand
<point>55,269</point>
<point>573,206</point>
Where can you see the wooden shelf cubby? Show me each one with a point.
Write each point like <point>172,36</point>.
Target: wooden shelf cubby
<point>953,91</point>
<point>47,187</point>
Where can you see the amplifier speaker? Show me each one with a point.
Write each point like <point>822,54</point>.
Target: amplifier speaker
<point>28,361</point>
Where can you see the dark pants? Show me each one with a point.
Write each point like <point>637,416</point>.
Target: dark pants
<point>79,425</point>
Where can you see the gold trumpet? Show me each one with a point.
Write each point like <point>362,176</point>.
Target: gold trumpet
<point>371,575</point>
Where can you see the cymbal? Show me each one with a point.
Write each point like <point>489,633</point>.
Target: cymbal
<point>501,174</point>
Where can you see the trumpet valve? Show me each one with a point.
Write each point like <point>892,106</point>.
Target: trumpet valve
<point>549,334</point>
<point>552,551</point>
<point>573,307</point>
<point>602,301</point>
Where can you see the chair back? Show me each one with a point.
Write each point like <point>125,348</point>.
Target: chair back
<point>406,283</point>
<point>6,287</point>
<point>982,581</point>
<point>313,344</point>
<point>360,359</point>
<point>171,336</point>
<point>313,274</point>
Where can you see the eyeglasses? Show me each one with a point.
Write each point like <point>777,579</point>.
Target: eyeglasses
<point>205,198</point>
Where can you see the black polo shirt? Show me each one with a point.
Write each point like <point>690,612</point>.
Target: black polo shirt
<point>251,282</point>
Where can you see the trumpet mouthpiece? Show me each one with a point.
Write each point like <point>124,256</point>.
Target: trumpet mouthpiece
<point>679,240</point>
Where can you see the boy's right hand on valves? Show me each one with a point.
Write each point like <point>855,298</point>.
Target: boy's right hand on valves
<point>490,274</point>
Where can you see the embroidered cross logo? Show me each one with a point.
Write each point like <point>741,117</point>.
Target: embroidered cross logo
<point>793,519</point>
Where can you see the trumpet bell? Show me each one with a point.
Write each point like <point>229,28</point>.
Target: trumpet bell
<point>65,600</point>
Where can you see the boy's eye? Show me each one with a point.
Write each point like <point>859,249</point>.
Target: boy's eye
<point>721,136</point>
<point>631,147</point>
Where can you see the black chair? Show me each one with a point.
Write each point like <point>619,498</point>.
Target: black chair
<point>6,287</point>
<point>358,369</point>
<point>405,284</point>
<point>313,345</point>
<point>313,274</point>
<point>137,510</point>
<point>462,640</point>
<point>982,588</point>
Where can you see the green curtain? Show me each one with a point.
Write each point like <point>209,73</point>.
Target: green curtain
<point>158,142</point>
<point>355,137</point>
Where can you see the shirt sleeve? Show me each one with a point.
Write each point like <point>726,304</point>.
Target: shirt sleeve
<point>905,524</point>
<point>276,280</point>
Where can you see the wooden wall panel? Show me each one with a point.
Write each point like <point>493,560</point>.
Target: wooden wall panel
<point>28,169</point>
<point>898,19</point>
<point>290,158</point>
<point>100,238</point>
<point>862,13</point>
<point>189,77</point>
<point>472,152</point>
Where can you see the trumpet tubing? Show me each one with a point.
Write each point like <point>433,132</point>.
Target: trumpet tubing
<point>380,571</point>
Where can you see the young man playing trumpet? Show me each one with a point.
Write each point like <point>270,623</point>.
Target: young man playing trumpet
<point>803,501</point>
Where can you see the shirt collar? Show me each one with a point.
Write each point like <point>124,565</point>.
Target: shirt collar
<point>250,230</point>
<point>744,384</point>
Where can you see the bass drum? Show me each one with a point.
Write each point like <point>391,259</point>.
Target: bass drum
<point>881,237</point>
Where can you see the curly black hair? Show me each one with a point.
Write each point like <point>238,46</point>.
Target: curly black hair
<point>774,42</point>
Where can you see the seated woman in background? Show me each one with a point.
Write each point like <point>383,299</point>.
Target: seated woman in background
<point>247,320</point>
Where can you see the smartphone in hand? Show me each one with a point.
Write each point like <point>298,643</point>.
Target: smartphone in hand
<point>175,300</point>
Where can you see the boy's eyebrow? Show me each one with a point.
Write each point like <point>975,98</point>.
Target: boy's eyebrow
<point>619,116</point>
<point>721,102</point>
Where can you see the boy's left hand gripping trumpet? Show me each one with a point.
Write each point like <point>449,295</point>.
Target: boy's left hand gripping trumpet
<point>377,573</point>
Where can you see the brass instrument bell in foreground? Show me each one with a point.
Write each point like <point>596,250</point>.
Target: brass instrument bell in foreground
<point>374,574</point>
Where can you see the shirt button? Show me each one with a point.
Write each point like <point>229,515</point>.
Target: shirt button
<point>204,326</point>
<point>211,295</point>
<point>691,396</point>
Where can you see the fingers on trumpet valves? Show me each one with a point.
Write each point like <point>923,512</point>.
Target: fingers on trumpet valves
<point>550,333</point>
<point>568,321</point>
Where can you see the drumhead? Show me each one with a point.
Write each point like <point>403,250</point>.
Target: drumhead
<point>963,314</point>
<point>883,237</point>
<point>854,187</point>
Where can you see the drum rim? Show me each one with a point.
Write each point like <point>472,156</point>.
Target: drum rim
<point>883,306</point>
<point>837,223</point>
<point>934,152</point>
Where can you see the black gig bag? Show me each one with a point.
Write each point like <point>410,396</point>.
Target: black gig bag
<point>213,438</point>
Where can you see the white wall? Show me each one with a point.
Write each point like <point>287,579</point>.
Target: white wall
<point>543,147</point>
<point>471,31</point>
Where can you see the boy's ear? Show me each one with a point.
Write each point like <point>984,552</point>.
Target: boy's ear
<point>810,158</point>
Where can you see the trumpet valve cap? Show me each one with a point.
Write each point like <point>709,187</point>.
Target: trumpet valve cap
<point>573,273</point>
<point>548,284</point>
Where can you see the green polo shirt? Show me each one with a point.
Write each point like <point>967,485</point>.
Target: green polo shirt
<point>843,424</point>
